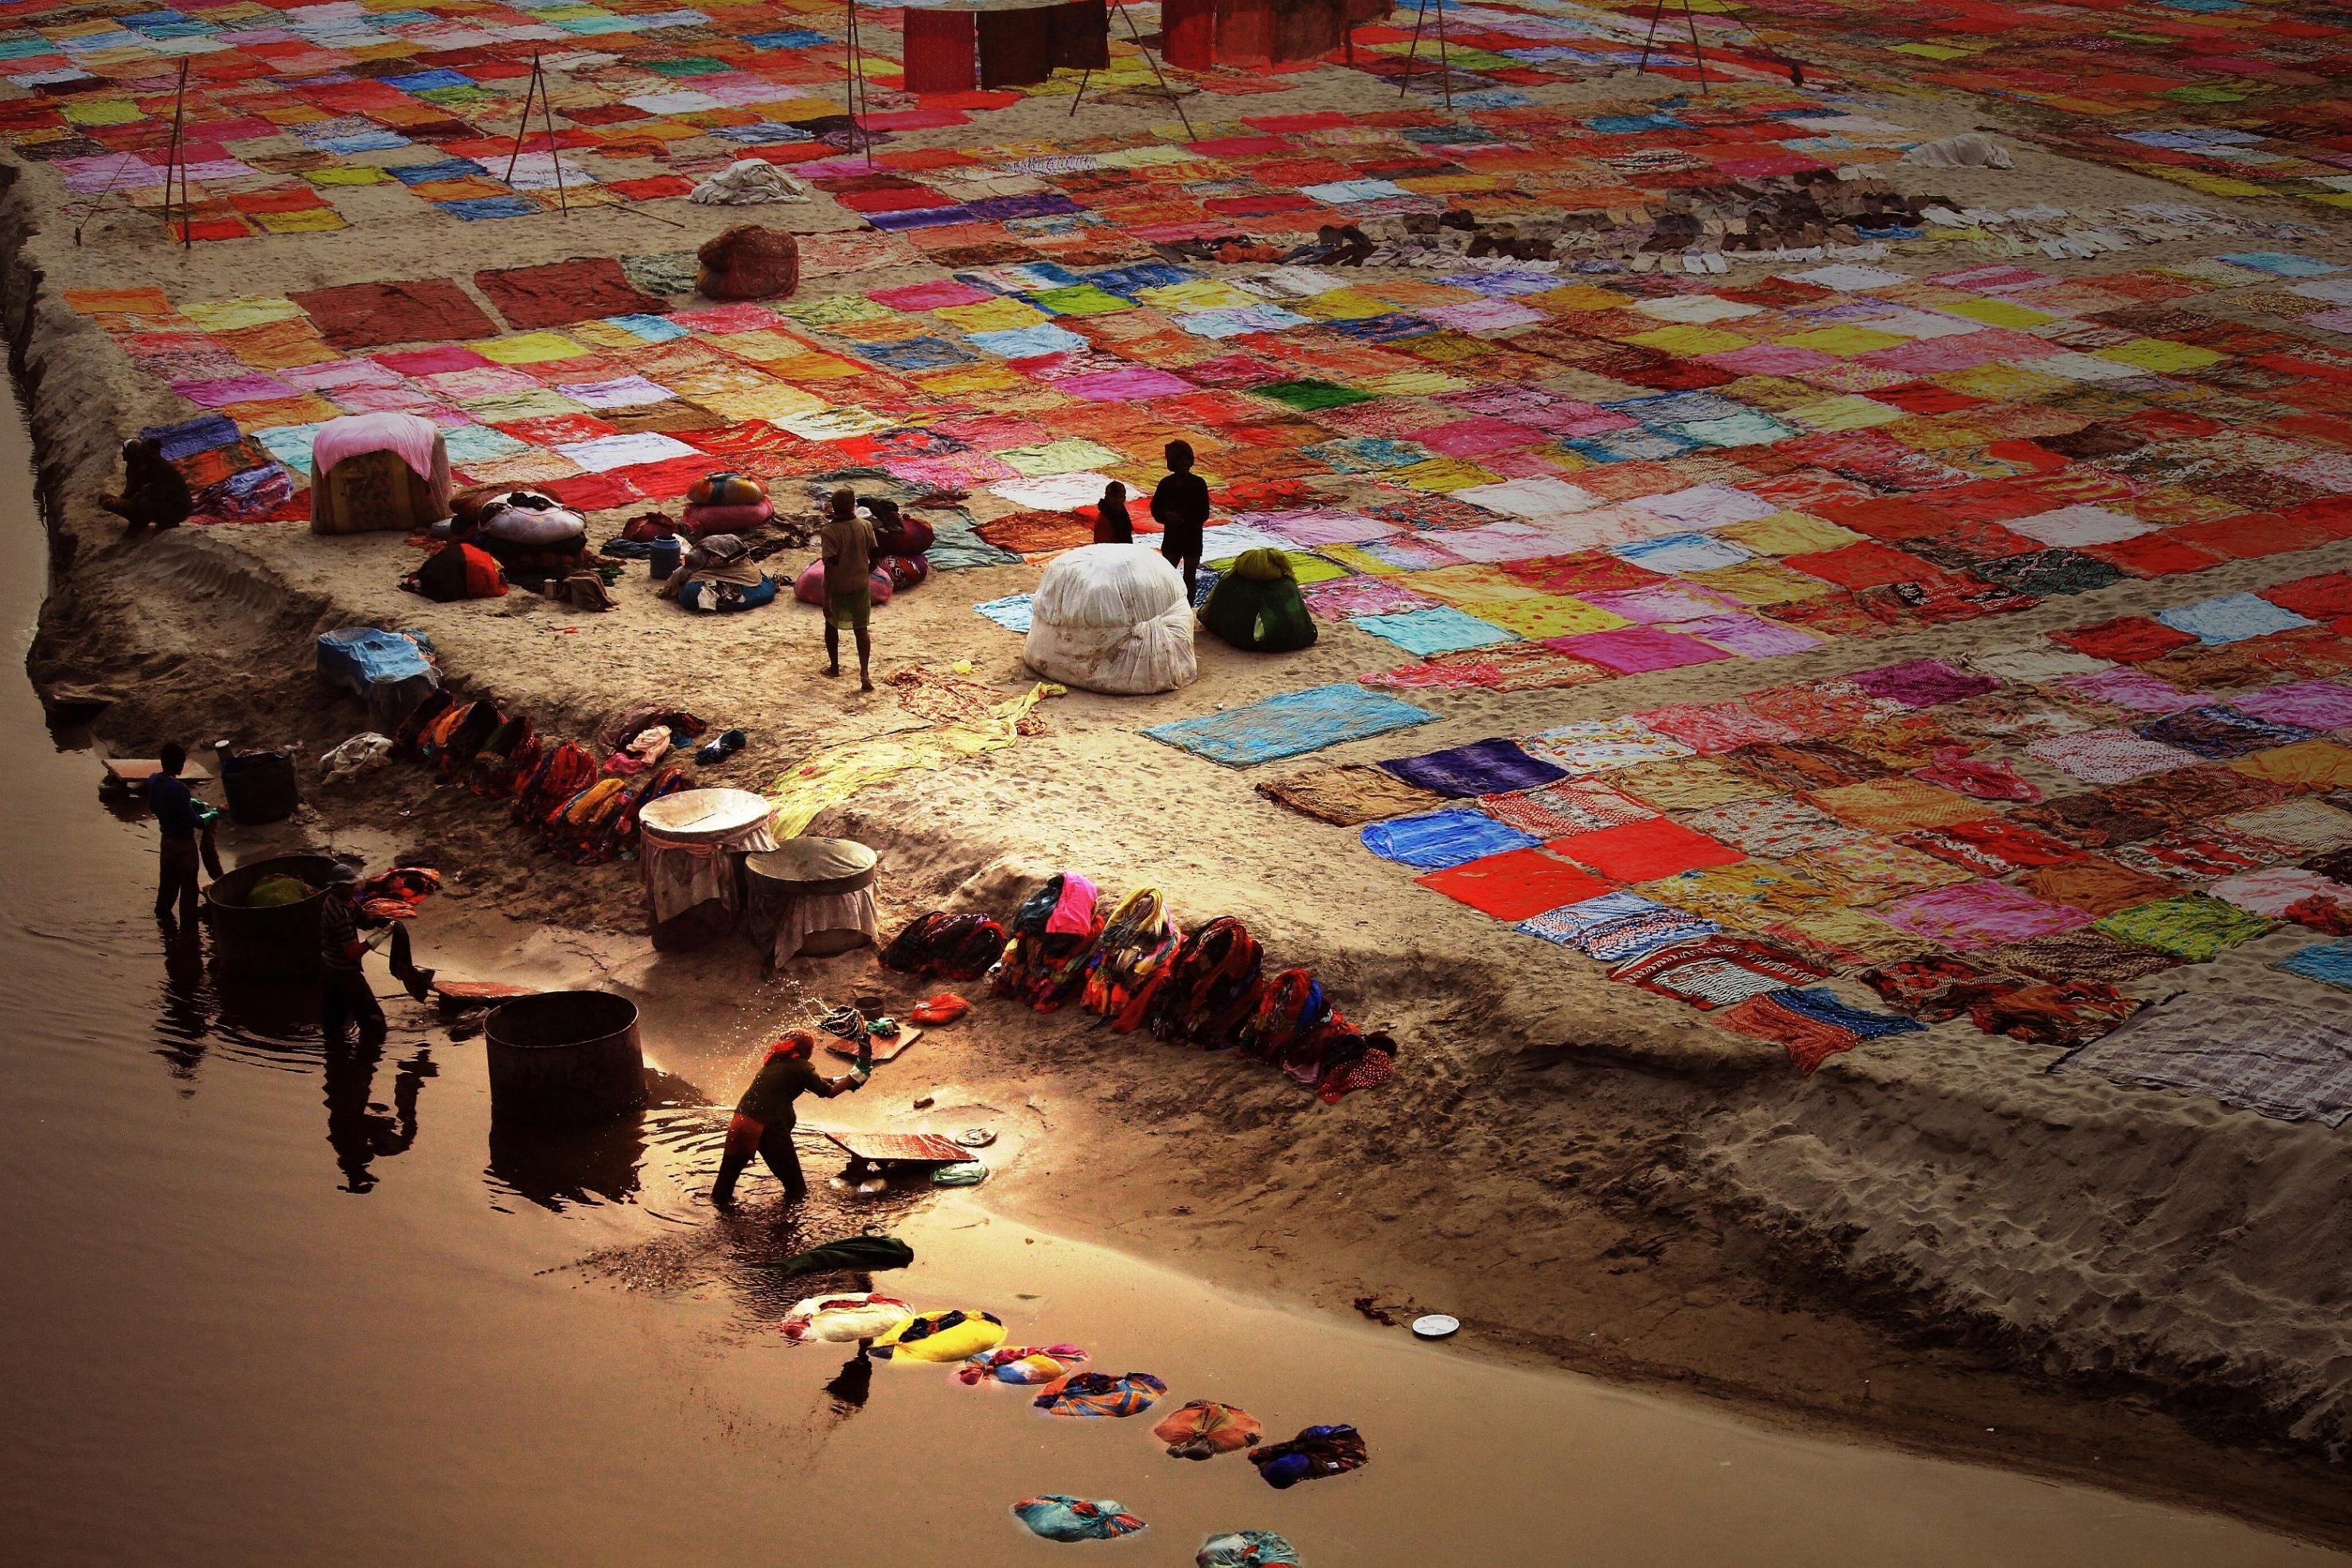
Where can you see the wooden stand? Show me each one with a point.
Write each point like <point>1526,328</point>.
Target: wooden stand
<point>1649,44</point>
<point>1445,64</point>
<point>176,161</point>
<point>1119,8</point>
<point>855,66</point>
<point>537,91</point>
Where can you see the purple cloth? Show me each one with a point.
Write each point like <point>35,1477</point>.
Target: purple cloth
<point>1922,682</point>
<point>1482,767</point>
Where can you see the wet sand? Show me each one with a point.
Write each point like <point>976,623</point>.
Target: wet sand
<point>267,1305</point>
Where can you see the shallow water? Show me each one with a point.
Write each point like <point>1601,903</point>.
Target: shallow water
<point>264,1306</point>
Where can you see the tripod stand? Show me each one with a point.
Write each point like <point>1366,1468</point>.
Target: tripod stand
<point>536,90</point>
<point>1444,65</point>
<point>1169,92</point>
<point>1657,18</point>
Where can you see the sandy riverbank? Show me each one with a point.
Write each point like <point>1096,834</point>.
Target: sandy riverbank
<point>1935,1242</point>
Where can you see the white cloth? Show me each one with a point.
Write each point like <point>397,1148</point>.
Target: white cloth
<point>363,752</point>
<point>801,918</point>
<point>1112,617</point>
<point>681,877</point>
<point>1969,150</point>
<point>749,181</point>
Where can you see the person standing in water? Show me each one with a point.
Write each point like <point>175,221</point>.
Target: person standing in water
<point>1112,525</point>
<point>177,818</point>
<point>345,995</point>
<point>1180,505</point>
<point>763,1120</point>
<point>847,546</point>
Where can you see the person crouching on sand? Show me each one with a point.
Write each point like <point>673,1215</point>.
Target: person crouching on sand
<point>154,493</point>
<point>847,546</point>
<point>1112,525</point>
<point>763,1120</point>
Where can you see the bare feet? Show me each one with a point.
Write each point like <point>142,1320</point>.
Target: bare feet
<point>833,673</point>
<point>864,684</point>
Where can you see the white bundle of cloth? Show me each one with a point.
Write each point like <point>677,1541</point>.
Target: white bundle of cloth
<point>748,181</point>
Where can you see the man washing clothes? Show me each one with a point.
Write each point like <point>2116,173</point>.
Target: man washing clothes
<point>179,820</point>
<point>345,997</point>
<point>847,546</point>
<point>763,1120</point>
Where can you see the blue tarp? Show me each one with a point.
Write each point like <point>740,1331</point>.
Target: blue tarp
<point>1290,724</point>
<point>1435,840</point>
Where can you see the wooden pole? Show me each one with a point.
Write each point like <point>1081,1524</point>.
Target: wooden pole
<point>554,156</point>
<point>1698,54</point>
<point>177,159</point>
<point>529,92</point>
<point>1444,60</point>
<point>1404,80</point>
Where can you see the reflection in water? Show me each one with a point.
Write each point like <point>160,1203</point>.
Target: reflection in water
<point>362,1130</point>
<point>851,1384</point>
<point>556,1167</point>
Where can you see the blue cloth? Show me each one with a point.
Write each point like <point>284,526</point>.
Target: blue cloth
<point>174,807</point>
<point>1435,840</point>
<point>1011,612</point>
<point>1057,1517</point>
<point>1290,724</point>
<point>1442,630</point>
<point>2232,617</point>
<point>760,594</point>
<point>1617,926</point>
<point>1822,1006</point>
<point>356,658</point>
<point>1482,767</point>
<point>2330,963</point>
<point>189,437</point>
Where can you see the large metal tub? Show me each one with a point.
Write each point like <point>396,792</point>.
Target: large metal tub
<point>565,1058</point>
<point>281,944</point>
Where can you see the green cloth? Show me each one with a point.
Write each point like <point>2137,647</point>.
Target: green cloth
<point>1257,605</point>
<point>277,892</point>
<point>865,1253</point>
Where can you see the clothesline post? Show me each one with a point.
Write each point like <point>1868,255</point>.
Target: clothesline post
<point>554,155</point>
<point>1657,17</point>
<point>1444,60</point>
<point>1148,59</point>
<point>857,81</point>
<point>176,161</point>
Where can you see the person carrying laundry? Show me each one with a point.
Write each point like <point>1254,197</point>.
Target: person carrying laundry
<point>848,551</point>
<point>763,1120</point>
<point>345,996</point>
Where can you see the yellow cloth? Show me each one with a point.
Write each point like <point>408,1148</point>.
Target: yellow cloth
<point>976,1333</point>
<point>832,775</point>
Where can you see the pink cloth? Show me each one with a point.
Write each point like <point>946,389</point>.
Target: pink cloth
<point>409,437</point>
<point>1074,914</point>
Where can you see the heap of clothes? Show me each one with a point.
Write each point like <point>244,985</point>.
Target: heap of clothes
<point>579,808</point>
<point>1138,969</point>
<point>492,535</point>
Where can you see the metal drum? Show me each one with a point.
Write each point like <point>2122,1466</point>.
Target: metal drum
<point>565,1058</point>
<point>277,943</point>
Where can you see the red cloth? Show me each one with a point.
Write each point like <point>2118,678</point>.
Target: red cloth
<point>1016,47</point>
<point>939,51</point>
<point>1188,33</point>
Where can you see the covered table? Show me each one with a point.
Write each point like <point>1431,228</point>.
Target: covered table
<point>378,472</point>
<point>691,848</point>
<point>813,896</point>
<point>1201,34</point>
<point>954,45</point>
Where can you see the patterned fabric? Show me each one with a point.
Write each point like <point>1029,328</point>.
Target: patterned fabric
<point>1617,926</point>
<point>1812,1024</point>
<point>1748,895</point>
<point>1598,745</point>
<point>1892,805</point>
<point>2250,1051</point>
<point>1871,870</point>
<point>1688,783</point>
<point>2194,926</point>
<point>1717,972</point>
<point>1556,811</point>
<point>1774,827</point>
<point>2083,953</point>
<point>1981,914</point>
<point>2108,756</point>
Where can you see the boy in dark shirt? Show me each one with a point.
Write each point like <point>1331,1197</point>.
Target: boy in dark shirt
<point>1180,505</point>
<point>177,818</point>
<point>764,1118</point>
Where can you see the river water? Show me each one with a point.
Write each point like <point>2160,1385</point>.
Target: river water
<point>263,1306</point>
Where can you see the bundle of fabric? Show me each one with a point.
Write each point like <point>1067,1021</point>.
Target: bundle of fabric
<point>458,571</point>
<point>450,741</point>
<point>574,827</point>
<point>905,572</point>
<point>1205,1428</point>
<point>1137,943</point>
<point>1314,1452</point>
<point>395,895</point>
<point>1112,617</point>
<point>898,532</point>
<point>408,739</point>
<point>727,502</point>
<point>720,576</point>
<point>1057,1517</point>
<point>622,825</point>
<point>1209,988</point>
<point>685,726</point>
<point>506,753</point>
<point>851,1254</point>
<point>1290,1009</point>
<point>750,181</point>
<point>1255,604</point>
<point>376,472</point>
<point>747,261</point>
<point>560,772</point>
<point>646,747</point>
<point>1052,937</point>
<point>809,586</point>
<point>1336,1059</point>
<point>1247,1549</point>
<point>939,945</point>
<point>524,529</point>
<point>843,1320</point>
<point>939,1337</point>
<point>1021,1364</point>
<point>1093,1395</point>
